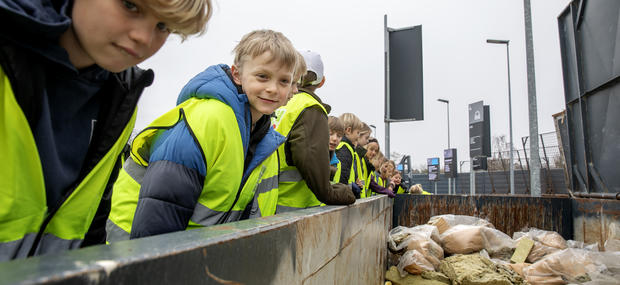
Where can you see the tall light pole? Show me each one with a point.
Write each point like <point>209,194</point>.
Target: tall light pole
<point>531,98</point>
<point>512,170</point>
<point>448,115</point>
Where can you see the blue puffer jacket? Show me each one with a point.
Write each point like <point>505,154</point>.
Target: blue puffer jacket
<point>176,161</point>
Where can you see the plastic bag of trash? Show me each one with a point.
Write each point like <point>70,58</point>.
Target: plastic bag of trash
<point>581,245</point>
<point>466,239</point>
<point>398,235</point>
<point>425,245</point>
<point>538,251</point>
<point>413,262</point>
<point>444,222</point>
<point>575,266</point>
<point>484,253</point>
<point>548,238</point>
<point>545,242</point>
<point>612,242</point>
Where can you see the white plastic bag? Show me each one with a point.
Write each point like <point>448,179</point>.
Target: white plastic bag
<point>413,262</point>
<point>445,222</point>
<point>575,266</point>
<point>398,235</point>
<point>465,239</point>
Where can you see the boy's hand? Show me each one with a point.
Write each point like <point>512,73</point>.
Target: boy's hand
<point>360,183</point>
<point>356,190</point>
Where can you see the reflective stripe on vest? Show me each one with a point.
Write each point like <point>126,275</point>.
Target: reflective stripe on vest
<point>22,186</point>
<point>370,177</point>
<point>124,200</point>
<point>214,126</point>
<point>263,183</point>
<point>365,177</point>
<point>293,192</point>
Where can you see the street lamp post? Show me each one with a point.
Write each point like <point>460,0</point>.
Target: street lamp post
<point>512,170</point>
<point>448,115</point>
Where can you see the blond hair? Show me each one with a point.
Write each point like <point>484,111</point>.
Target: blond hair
<point>183,17</point>
<point>351,121</point>
<point>416,189</point>
<point>378,160</point>
<point>365,129</point>
<point>300,69</point>
<point>335,125</point>
<point>258,42</point>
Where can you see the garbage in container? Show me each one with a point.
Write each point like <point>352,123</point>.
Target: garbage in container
<point>445,222</point>
<point>477,253</point>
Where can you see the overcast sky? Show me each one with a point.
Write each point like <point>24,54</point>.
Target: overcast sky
<point>458,63</point>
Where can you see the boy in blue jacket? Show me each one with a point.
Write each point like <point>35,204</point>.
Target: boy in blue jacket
<point>191,167</point>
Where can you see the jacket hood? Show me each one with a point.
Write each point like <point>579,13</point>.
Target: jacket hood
<point>214,83</point>
<point>45,17</point>
<point>37,26</point>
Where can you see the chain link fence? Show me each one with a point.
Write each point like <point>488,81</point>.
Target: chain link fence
<point>551,163</point>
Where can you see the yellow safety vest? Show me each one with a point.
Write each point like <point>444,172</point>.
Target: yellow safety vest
<point>23,206</point>
<point>263,185</point>
<point>356,169</point>
<point>293,192</point>
<point>366,178</point>
<point>215,127</point>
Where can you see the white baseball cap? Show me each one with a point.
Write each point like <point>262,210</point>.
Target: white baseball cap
<point>314,64</point>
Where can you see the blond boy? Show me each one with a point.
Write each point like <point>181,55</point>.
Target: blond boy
<point>208,160</point>
<point>72,93</point>
<point>350,167</point>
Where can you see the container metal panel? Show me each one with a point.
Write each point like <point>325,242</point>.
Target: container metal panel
<point>322,245</point>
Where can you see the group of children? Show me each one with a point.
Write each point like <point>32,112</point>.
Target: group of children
<point>356,159</point>
<point>247,140</point>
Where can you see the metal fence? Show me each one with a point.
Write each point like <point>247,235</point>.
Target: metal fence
<point>550,155</point>
<point>496,177</point>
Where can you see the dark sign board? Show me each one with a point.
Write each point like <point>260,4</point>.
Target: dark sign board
<point>433,168</point>
<point>405,93</point>
<point>480,163</point>
<point>476,112</point>
<point>479,130</point>
<point>449,162</point>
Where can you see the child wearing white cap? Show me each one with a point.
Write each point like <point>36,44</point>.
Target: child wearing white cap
<point>304,157</point>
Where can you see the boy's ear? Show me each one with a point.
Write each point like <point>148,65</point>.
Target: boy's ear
<point>347,130</point>
<point>236,74</point>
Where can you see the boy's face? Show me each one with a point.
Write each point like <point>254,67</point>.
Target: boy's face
<point>363,139</point>
<point>334,140</point>
<point>352,135</point>
<point>113,34</point>
<point>372,149</point>
<point>266,82</point>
